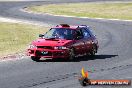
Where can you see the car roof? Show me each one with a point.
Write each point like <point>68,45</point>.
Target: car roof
<point>71,26</point>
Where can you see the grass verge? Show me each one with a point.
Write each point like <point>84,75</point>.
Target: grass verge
<point>93,10</point>
<point>15,38</point>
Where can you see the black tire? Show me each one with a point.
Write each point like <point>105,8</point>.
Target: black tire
<point>72,54</point>
<point>37,59</point>
<point>93,51</point>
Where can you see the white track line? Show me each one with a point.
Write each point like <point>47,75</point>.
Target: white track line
<point>20,21</point>
<point>103,19</point>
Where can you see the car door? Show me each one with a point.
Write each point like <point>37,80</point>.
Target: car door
<point>87,40</point>
<point>79,43</point>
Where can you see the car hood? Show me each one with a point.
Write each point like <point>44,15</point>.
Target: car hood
<point>45,42</point>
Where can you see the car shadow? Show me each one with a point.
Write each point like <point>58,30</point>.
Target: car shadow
<point>79,59</point>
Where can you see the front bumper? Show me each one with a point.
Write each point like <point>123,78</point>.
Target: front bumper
<point>46,53</point>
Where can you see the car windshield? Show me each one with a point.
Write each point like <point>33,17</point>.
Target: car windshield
<point>59,33</point>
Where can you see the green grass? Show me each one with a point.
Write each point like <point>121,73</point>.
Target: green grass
<point>93,10</point>
<point>15,38</point>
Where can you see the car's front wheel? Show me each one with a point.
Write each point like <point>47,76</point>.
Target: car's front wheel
<point>71,54</point>
<point>37,59</point>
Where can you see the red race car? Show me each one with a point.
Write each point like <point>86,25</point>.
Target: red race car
<point>64,41</point>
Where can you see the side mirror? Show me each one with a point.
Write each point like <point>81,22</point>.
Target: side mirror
<point>41,35</point>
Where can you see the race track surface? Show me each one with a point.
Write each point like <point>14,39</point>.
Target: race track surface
<point>113,61</point>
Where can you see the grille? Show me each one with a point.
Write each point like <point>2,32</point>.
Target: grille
<point>44,47</point>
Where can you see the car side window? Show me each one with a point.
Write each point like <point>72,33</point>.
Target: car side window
<point>79,33</point>
<point>90,31</point>
<point>86,34</point>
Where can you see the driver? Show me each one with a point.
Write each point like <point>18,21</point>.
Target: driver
<point>61,34</point>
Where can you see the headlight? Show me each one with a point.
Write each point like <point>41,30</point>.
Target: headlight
<point>60,47</point>
<point>32,46</point>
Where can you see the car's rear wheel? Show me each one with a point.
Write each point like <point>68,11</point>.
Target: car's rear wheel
<point>71,54</point>
<point>37,59</point>
<point>93,51</point>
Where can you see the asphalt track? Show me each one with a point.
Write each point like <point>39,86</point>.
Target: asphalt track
<point>113,61</point>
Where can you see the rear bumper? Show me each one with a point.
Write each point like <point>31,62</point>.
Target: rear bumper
<point>45,53</point>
